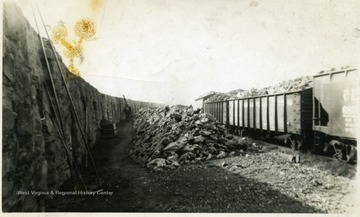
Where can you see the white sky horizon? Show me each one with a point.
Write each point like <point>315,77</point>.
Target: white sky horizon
<point>174,51</point>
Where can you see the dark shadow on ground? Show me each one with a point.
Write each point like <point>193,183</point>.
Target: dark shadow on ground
<point>192,188</point>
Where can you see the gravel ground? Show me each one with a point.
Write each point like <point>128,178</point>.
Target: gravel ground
<point>320,189</point>
<point>245,183</point>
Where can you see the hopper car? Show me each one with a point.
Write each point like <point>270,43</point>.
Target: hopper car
<point>321,119</point>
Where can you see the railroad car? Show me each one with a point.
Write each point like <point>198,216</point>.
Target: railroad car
<point>321,118</point>
<point>286,115</point>
<point>336,98</point>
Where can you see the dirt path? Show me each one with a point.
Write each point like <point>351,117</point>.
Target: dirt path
<point>208,187</point>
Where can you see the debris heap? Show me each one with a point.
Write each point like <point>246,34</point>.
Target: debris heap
<point>167,138</point>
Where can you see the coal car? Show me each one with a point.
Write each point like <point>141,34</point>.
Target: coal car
<point>336,99</point>
<point>321,118</point>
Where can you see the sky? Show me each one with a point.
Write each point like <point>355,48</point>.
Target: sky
<point>172,51</point>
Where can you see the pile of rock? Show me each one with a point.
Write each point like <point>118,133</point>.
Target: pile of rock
<point>296,84</point>
<point>166,138</point>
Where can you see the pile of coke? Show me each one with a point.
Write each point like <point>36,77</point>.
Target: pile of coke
<point>168,137</point>
<point>297,84</point>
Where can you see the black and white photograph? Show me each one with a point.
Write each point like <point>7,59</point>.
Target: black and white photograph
<point>180,107</point>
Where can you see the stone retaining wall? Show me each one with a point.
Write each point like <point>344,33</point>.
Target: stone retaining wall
<point>33,155</point>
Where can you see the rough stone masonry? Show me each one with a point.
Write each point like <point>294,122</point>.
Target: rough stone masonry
<point>34,158</point>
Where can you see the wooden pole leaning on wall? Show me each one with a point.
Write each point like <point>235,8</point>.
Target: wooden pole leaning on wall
<point>50,74</point>
<point>60,129</point>
<point>71,100</point>
<point>62,138</point>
